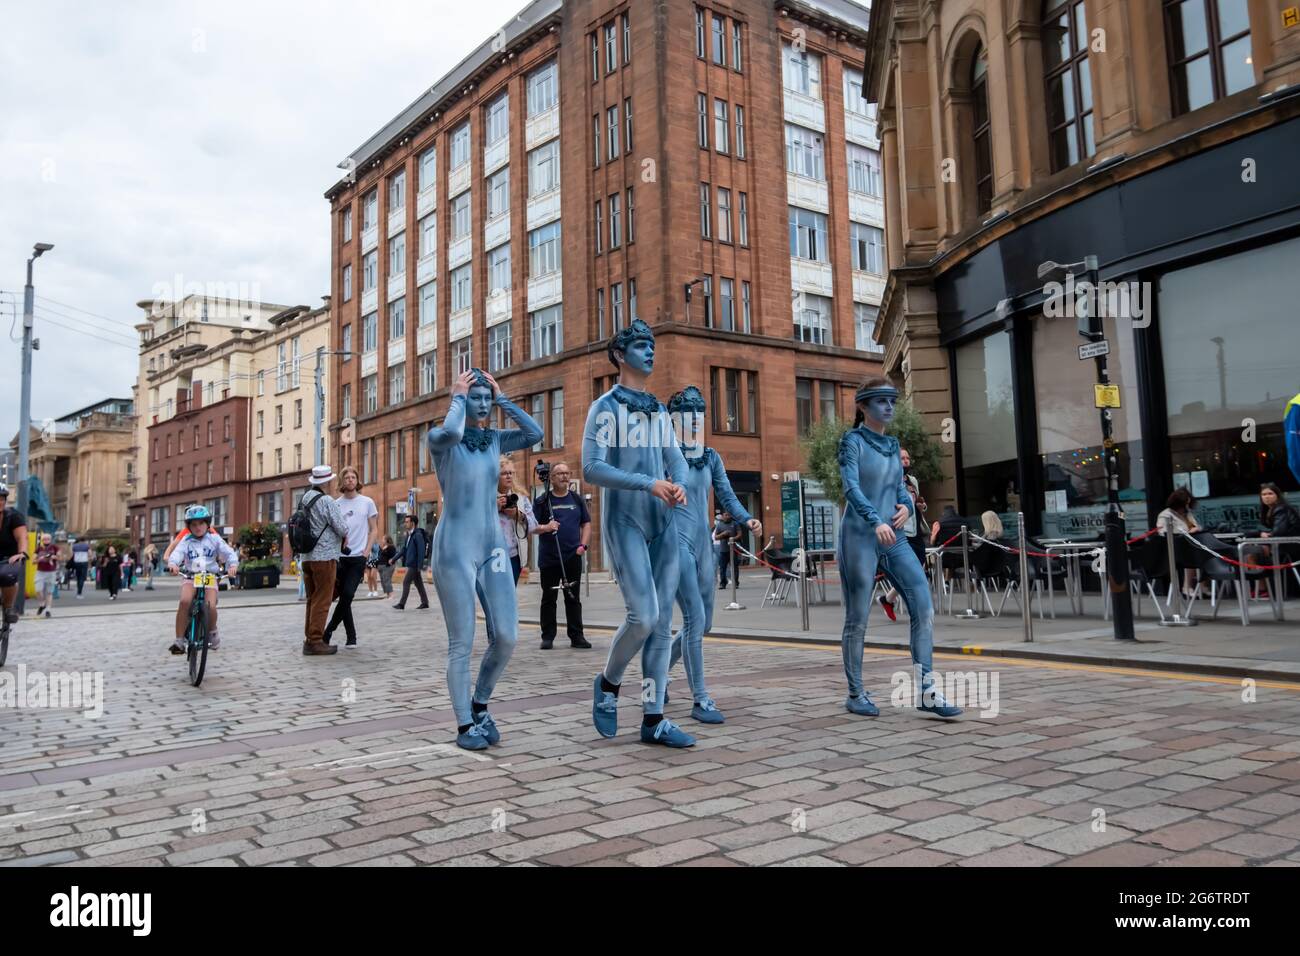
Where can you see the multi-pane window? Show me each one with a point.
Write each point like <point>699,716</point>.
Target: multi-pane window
<point>498,197</point>
<point>370,393</point>
<point>826,398</point>
<point>631,217</point>
<point>616,304</point>
<point>981,132</point>
<point>627,125</point>
<point>538,411</point>
<point>611,48</point>
<point>702,120</point>
<point>498,119</point>
<point>854,101</point>
<point>868,246</point>
<point>347,224</point>
<point>397,383</point>
<point>744,306</point>
<point>627,40</point>
<point>370,210</point>
<point>719,40</point>
<point>370,332</point>
<point>808,235</point>
<point>544,250</point>
<point>461,288</point>
<point>428,168</point>
<point>499,279</point>
<point>744,220</point>
<point>297,418</point>
<point>544,168</point>
<point>279,419</point>
<point>706,293</point>
<point>864,170</point>
<point>428,372</point>
<point>557,418</point>
<point>864,324</point>
<point>460,216</point>
<point>595,58</point>
<point>735,46</point>
<point>396,455</point>
<point>727,389</point>
<point>706,213</point>
<point>804,152</point>
<point>699,32</point>
<point>631,300</point>
<point>347,282</point>
<point>812,319</point>
<point>428,235</point>
<point>595,139</point>
<point>1209,51</point>
<point>611,131</point>
<point>600,226</point>
<point>460,145</point>
<point>397,319</point>
<point>345,400</point>
<point>615,221</point>
<point>547,332</point>
<point>499,347</point>
<point>720,125</point>
<point>428,303</point>
<point>462,358</point>
<point>740,132</point>
<point>370,270</point>
<point>724,214</point>
<point>802,71</point>
<point>261,428</point>
<point>1069,83</point>
<point>397,254</point>
<point>543,91</point>
<point>600,315</point>
<point>726,304</point>
<point>397,191</point>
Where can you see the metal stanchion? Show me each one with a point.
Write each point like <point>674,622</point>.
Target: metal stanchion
<point>970,614</point>
<point>1181,617</point>
<point>1026,617</point>
<point>586,570</point>
<point>735,581</point>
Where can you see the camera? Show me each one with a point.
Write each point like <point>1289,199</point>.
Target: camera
<point>543,470</point>
<point>512,500</point>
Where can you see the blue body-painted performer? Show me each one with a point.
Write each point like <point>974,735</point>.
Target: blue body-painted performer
<point>872,477</point>
<point>468,548</point>
<point>628,446</point>
<point>695,589</point>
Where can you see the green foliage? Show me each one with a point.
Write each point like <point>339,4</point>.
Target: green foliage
<point>258,563</point>
<point>121,544</point>
<point>822,443</point>
<point>260,539</point>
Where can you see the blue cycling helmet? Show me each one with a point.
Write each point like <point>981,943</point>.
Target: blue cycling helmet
<point>198,513</point>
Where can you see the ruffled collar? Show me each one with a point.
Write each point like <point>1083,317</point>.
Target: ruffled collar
<point>477,439</point>
<point>885,444</point>
<point>700,460</point>
<point>635,400</point>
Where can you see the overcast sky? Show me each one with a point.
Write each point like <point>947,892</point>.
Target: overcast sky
<point>168,138</point>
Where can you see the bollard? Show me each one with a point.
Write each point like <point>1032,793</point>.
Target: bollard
<point>1179,618</point>
<point>735,580</point>
<point>1026,617</point>
<point>970,614</point>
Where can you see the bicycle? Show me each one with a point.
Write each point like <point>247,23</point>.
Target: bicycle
<point>196,637</point>
<point>4,639</point>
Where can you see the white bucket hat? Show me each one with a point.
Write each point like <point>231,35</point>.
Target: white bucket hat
<point>321,475</point>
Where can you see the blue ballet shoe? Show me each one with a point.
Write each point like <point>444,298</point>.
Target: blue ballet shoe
<point>933,702</point>
<point>667,733</point>
<point>604,710</point>
<point>862,706</point>
<point>487,727</point>
<point>472,739</point>
<point>706,712</point>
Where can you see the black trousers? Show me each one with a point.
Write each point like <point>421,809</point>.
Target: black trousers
<point>572,600</point>
<point>80,571</point>
<point>413,577</point>
<point>351,570</point>
<point>728,558</point>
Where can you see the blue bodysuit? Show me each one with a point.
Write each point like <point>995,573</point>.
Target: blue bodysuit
<point>468,546</point>
<point>695,549</point>
<point>628,444</point>
<point>872,476</point>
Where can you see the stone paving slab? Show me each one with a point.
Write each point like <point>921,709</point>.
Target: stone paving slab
<point>349,760</point>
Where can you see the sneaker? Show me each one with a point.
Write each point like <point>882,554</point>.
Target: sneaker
<point>47,612</point>
<point>112,597</point>
<point>581,642</point>
<point>667,733</point>
<point>318,648</point>
<point>487,727</point>
<point>351,642</point>
<point>11,616</point>
<point>177,646</point>
<point>214,641</point>
<point>862,706</point>
<point>399,607</point>
<point>80,596</point>
<point>706,712</point>
<point>889,608</point>
<point>604,710</point>
<point>472,739</point>
<point>937,704</point>
<point>422,607</point>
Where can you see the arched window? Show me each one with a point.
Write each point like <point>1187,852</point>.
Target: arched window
<point>1209,51</point>
<point>980,130</point>
<point>1069,83</point>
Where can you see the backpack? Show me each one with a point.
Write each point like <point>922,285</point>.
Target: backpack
<point>301,538</point>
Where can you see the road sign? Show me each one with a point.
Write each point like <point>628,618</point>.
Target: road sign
<point>1093,349</point>
<point>1106,396</point>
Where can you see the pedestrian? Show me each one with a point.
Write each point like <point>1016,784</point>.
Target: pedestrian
<point>319,565</point>
<point>150,564</point>
<point>387,565</point>
<point>563,535</point>
<point>417,545</point>
<point>725,531</point>
<point>372,571</point>
<point>128,570</point>
<point>47,566</point>
<point>362,520</point>
<point>13,551</point>
<point>110,570</point>
<point>81,563</point>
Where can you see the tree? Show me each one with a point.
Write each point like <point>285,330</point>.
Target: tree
<point>822,443</point>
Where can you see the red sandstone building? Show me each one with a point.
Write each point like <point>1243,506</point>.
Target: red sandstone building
<point>586,166</point>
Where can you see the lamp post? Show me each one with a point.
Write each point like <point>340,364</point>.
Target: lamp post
<point>25,415</point>
<point>687,290</point>
<point>319,415</point>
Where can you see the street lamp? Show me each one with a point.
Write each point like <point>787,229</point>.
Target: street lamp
<point>1092,329</point>
<point>687,290</point>
<point>25,415</point>
<point>320,400</point>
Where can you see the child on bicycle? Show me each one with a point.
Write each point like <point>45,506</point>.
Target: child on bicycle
<point>201,550</point>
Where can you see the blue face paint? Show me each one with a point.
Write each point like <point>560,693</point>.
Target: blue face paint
<point>880,408</point>
<point>479,402</point>
<point>640,355</point>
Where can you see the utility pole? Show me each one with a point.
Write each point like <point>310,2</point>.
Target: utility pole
<point>25,415</point>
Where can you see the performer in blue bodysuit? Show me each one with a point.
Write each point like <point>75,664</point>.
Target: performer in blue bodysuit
<point>695,544</point>
<point>468,547</point>
<point>872,477</point>
<point>628,446</point>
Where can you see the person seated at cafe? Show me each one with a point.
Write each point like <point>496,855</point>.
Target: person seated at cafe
<point>1179,514</point>
<point>1277,519</point>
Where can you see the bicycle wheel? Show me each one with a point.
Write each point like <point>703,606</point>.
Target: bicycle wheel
<point>4,641</point>
<point>198,649</point>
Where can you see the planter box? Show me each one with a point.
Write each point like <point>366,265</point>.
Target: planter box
<point>259,578</point>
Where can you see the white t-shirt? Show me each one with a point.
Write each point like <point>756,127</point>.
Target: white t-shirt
<point>357,513</point>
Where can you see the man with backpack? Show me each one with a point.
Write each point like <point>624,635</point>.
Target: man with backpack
<point>417,543</point>
<point>316,534</point>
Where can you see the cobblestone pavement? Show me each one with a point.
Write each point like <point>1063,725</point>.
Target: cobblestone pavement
<point>348,760</point>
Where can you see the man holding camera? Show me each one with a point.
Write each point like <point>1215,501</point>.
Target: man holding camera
<point>563,532</point>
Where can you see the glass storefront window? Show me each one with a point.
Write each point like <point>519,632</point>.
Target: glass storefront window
<point>988,428</point>
<point>1228,337</point>
<point>1069,428</point>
